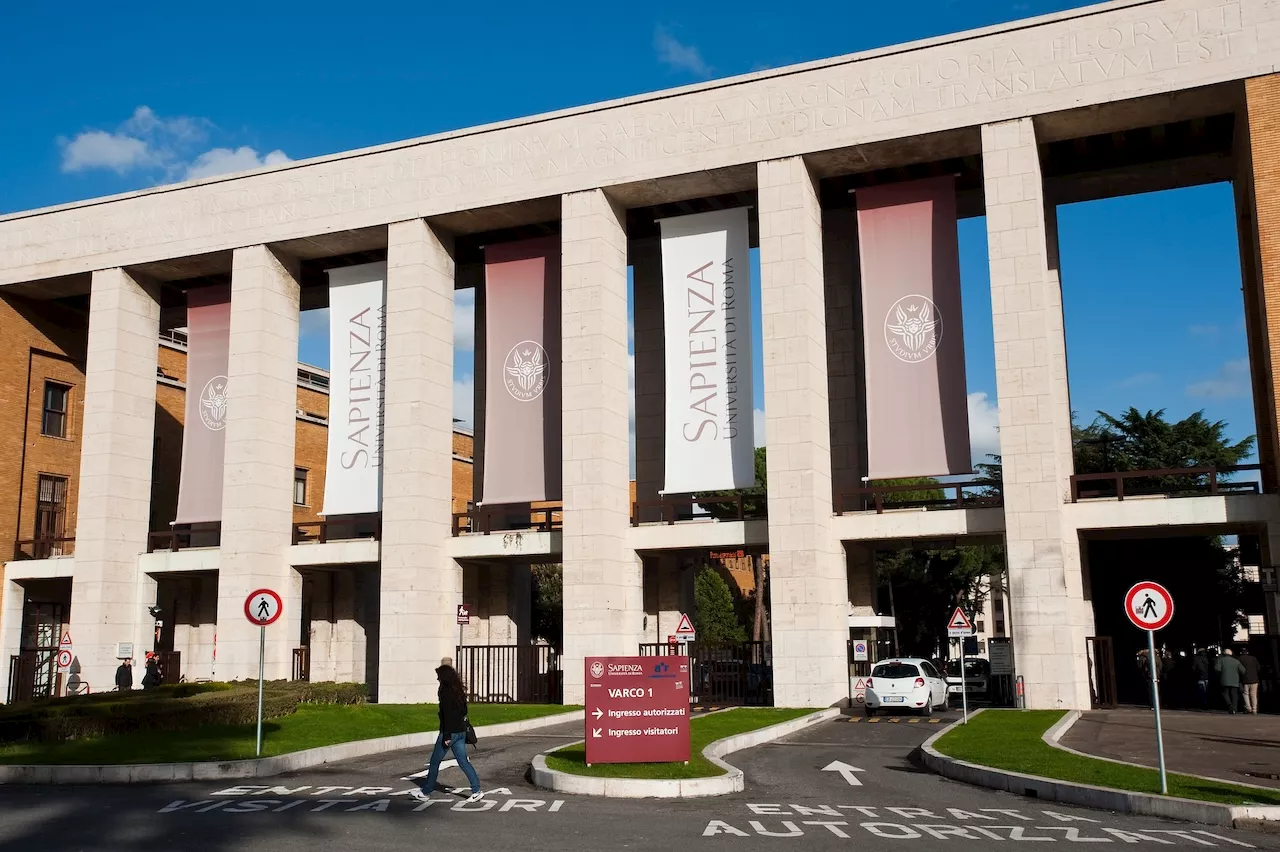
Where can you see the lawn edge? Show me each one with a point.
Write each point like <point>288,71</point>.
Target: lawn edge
<point>1088,795</point>
<point>732,781</point>
<point>263,767</point>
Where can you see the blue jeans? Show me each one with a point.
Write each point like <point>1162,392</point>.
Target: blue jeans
<point>458,745</point>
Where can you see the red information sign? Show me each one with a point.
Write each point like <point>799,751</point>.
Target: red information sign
<point>637,709</point>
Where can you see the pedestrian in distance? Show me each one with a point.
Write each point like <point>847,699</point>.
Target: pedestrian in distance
<point>124,675</point>
<point>1200,666</point>
<point>454,726</point>
<point>1249,680</point>
<point>1144,670</point>
<point>1230,673</point>
<point>152,679</point>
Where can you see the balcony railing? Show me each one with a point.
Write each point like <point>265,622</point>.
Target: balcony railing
<point>183,537</point>
<point>1167,482</point>
<point>673,509</point>
<point>44,548</point>
<point>484,520</point>
<point>351,529</point>
<point>971,494</point>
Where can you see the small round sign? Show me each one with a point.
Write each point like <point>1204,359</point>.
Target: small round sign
<point>1149,605</point>
<point>64,659</point>
<point>262,607</point>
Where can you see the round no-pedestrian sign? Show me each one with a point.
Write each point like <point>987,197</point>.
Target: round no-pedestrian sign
<point>262,607</point>
<point>1149,605</point>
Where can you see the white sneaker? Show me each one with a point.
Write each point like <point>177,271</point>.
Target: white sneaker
<point>475,797</point>
<point>420,795</point>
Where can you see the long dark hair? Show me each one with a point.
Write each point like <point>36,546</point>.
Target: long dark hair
<point>449,680</point>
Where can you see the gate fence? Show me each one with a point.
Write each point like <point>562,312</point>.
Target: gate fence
<point>510,674</point>
<point>732,673</point>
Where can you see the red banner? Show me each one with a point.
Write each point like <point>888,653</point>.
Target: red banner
<point>522,372</point>
<point>917,404</point>
<point>637,709</point>
<point>205,419</point>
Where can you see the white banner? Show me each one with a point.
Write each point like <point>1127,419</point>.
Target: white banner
<point>357,331</point>
<point>706,294</point>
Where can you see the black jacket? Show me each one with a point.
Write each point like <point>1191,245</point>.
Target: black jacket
<point>124,677</point>
<point>1251,668</point>
<point>453,712</point>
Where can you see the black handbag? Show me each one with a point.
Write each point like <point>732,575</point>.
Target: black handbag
<point>471,732</point>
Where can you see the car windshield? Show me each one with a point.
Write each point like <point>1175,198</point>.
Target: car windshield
<point>892,671</point>
<point>972,668</point>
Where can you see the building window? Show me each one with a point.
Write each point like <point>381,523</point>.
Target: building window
<point>54,423</point>
<point>51,515</point>
<point>982,627</point>
<point>300,486</point>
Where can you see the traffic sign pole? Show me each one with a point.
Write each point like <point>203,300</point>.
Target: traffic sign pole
<point>964,687</point>
<point>262,655</point>
<point>1155,705</point>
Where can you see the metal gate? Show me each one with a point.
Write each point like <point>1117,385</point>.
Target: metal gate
<point>33,672</point>
<point>1102,672</point>
<point>510,674</point>
<point>732,673</point>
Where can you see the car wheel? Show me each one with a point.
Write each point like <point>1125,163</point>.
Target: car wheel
<point>870,711</point>
<point>927,710</point>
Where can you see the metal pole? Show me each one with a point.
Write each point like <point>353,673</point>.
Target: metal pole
<point>262,653</point>
<point>1155,705</point>
<point>964,684</point>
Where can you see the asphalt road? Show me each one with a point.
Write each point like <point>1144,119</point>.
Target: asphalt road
<point>882,802</point>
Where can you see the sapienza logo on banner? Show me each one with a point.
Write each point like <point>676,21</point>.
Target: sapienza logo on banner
<point>526,371</point>
<point>213,404</point>
<point>913,329</point>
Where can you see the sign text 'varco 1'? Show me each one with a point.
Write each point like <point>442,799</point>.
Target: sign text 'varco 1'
<point>637,709</point>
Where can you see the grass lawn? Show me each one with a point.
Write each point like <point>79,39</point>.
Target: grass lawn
<point>703,731</point>
<point>311,726</point>
<point>1010,739</point>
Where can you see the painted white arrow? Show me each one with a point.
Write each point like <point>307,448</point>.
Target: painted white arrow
<point>595,733</point>
<point>597,713</point>
<point>845,770</point>
<point>444,764</point>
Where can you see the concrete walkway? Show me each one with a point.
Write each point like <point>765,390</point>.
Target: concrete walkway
<point>1232,748</point>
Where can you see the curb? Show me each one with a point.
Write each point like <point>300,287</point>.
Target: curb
<point>732,781</point>
<point>1084,795</point>
<point>263,767</point>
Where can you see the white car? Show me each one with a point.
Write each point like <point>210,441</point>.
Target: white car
<point>907,683</point>
<point>977,677</point>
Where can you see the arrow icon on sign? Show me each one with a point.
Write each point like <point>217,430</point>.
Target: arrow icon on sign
<point>595,733</point>
<point>597,713</point>
<point>845,770</point>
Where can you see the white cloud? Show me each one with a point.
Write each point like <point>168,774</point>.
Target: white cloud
<point>984,428</point>
<point>222,161</point>
<point>1232,381</point>
<point>678,56</point>
<point>464,399</point>
<point>165,147</point>
<point>758,423</point>
<point>1137,380</point>
<point>464,319</point>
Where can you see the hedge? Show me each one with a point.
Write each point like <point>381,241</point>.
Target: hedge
<point>178,707</point>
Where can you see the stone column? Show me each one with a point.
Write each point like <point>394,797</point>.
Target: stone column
<point>603,586</point>
<point>1042,550</point>
<point>844,350</point>
<point>257,477</point>
<point>114,508</point>
<point>650,372</point>
<point>809,592</point>
<point>420,586</point>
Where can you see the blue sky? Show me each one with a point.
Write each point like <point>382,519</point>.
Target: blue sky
<point>116,101</point>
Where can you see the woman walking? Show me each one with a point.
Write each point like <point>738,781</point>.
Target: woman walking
<point>453,732</point>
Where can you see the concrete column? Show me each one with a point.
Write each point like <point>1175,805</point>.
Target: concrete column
<point>603,586</point>
<point>844,350</point>
<point>114,508</point>
<point>650,371</point>
<point>420,586</point>
<point>861,569</point>
<point>11,605</point>
<point>807,572</point>
<point>662,582</point>
<point>257,478</point>
<point>1042,551</point>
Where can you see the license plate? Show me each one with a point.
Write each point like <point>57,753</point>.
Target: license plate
<point>894,699</point>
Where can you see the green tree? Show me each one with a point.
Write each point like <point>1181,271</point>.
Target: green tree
<point>929,584</point>
<point>548,604</point>
<point>714,616</point>
<point>754,499</point>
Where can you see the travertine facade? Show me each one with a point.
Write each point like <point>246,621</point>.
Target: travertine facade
<point>793,144</point>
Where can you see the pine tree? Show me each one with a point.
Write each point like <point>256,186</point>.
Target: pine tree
<point>715,617</point>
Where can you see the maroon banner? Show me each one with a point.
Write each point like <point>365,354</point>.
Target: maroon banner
<point>917,405</point>
<point>205,420</point>
<point>637,709</point>
<point>522,372</point>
